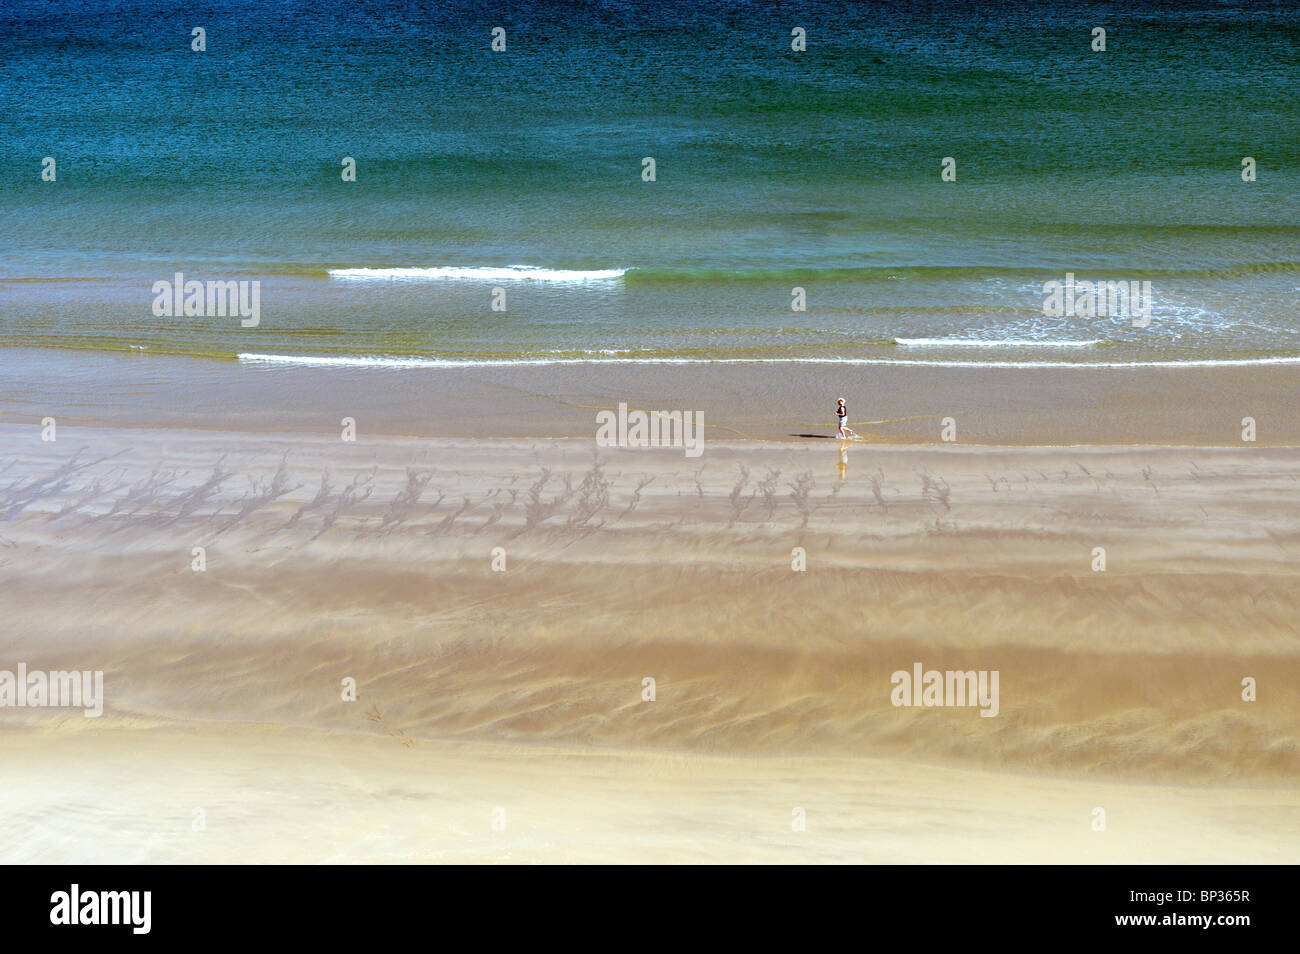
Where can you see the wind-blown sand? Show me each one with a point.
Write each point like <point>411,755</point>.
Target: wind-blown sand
<point>522,690</point>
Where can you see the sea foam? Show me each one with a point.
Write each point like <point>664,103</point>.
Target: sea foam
<point>508,273</point>
<point>365,361</point>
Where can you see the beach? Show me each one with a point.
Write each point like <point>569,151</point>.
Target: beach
<point>899,401</point>
<point>521,688</point>
<point>327,341</point>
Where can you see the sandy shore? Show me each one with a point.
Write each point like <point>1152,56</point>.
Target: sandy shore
<point>271,794</point>
<point>774,402</point>
<point>523,690</point>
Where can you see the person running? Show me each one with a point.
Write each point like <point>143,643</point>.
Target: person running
<point>842,417</point>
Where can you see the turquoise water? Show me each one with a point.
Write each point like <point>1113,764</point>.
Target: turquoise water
<point>775,169</point>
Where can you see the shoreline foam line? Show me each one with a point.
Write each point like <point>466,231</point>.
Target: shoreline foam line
<point>994,343</point>
<point>509,273</point>
<point>379,362</point>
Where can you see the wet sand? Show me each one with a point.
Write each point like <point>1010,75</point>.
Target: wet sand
<point>887,403</point>
<point>522,689</point>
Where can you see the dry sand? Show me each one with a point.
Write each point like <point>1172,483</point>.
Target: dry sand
<point>522,690</point>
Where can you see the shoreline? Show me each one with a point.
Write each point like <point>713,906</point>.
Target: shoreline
<point>776,403</point>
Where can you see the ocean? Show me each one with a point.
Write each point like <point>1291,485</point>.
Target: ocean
<point>500,212</point>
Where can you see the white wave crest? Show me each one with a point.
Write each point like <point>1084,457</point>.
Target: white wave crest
<point>509,273</point>
<point>383,362</point>
<point>996,343</point>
